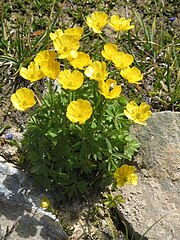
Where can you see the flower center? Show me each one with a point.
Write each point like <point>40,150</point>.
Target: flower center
<point>138,115</point>
<point>98,75</point>
<point>24,103</point>
<point>65,49</point>
<point>125,179</point>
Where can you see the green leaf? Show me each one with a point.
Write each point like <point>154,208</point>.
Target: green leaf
<point>51,134</point>
<point>112,201</point>
<point>131,147</point>
<point>82,186</point>
<point>109,146</point>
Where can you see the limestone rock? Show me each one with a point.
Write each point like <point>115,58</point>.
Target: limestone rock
<point>158,192</point>
<point>19,206</point>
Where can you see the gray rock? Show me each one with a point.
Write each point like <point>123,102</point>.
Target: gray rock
<point>20,206</point>
<point>158,192</point>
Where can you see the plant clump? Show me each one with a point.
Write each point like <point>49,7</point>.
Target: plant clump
<point>77,137</point>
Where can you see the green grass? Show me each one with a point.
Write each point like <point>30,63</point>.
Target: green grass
<point>20,43</point>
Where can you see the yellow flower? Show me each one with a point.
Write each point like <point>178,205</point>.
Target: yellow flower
<point>97,21</point>
<point>23,99</point>
<point>70,80</point>
<point>66,46</point>
<point>75,32</point>
<point>109,89</point>
<point>45,202</point>
<point>32,73</point>
<point>49,66</point>
<point>79,111</point>
<point>125,175</point>
<point>133,75</point>
<point>138,114</point>
<point>45,55</point>
<point>109,51</point>
<point>122,60</point>
<point>82,60</point>
<point>96,71</point>
<point>57,34</point>
<point>120,24</point>
<point>50,69</point>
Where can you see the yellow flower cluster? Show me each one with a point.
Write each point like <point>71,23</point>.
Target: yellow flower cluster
<point>97,71</point>
<point>122,61</point>
<point>66,44</point>
<point>98,20</point>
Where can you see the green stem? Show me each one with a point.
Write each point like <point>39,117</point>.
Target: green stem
<point>66,64</point>
<point>118,37</point>
<point>111,225</point>
<point>6,126</point>
<point>102,111</point>
<point>50,90</point>
<point>38,95</point>
<point>106,41</point>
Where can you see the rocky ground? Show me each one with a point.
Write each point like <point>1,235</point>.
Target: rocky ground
<point>152,205</point>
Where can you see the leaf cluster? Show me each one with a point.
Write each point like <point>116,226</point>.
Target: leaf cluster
<point>77,158</point>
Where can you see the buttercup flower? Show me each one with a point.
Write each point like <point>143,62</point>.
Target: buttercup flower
<point>45,55</point>
<point>97,21</point>
<point>138,114</point>
<point>32,73</point>
<point>66,46</point>
<point>57,34</point>
<point>109,89</point>
<point>79,111</point>
<point>23,99</point>
<point>45,202</point>
<point>96,71</point>
<point>133,75</point>
<point>70,80</point>
<point>50,69</point>
<point>109,51</point>
<point>122,60</point>
<point>82,60</point>
<point>75,32</point>
<point>125,175</point>
<point>49,66</point>
<point>120,24</point>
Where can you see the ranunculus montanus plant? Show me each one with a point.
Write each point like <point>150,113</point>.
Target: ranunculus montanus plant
<point>77,136</point>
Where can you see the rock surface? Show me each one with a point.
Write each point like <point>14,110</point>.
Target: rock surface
<point>158,192</point>
<point>20,206</point>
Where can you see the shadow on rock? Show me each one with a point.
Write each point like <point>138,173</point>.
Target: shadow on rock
<point>20,207</point>
<point>27,226</point>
